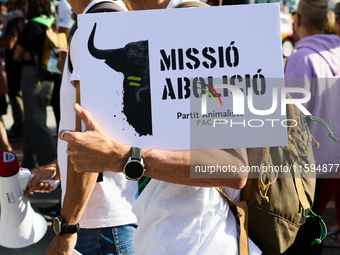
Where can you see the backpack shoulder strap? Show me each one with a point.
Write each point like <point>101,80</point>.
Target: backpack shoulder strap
<point>191,4</point>
<point>240,211</point>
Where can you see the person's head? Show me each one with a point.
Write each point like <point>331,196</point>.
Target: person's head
<point>310,17</point>
<point>13,5</point>
<point>36,8</point>
<point>3,7</point>
<point>337,18</point>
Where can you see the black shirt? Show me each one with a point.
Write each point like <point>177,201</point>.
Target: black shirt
<point>32,40</point>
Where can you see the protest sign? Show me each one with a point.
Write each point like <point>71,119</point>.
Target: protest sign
<point>177,79</point>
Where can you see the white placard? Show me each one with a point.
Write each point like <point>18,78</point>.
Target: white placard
<point>143,73</point>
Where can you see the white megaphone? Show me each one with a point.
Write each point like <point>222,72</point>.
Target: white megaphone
<point>20,226</point>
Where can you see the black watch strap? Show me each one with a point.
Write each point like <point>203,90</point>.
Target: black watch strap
<point>69,229</point>
<point>100,177</point>
<point>62,228</point>
<point>136,153</point>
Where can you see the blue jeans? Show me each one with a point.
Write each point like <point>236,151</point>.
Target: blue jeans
<point>106,241</point>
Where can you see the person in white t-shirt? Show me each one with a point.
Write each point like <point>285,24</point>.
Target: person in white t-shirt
<point>64,17</point>
<point>176,214</point>
<point>103,208</point>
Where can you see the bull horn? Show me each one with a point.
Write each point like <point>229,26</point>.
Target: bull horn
<point>114,58</point>
<point>99,54</point>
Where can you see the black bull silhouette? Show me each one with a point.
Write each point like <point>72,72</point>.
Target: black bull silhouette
<point>133,62</point>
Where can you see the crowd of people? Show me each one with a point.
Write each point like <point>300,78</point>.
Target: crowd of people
<point>119,199</point>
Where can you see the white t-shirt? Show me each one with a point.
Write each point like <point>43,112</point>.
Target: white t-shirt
<point>110,201</point>
<point>185,220</point>
<point>64,14</point>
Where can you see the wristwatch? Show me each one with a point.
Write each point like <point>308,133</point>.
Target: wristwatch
<point>134,167</point>
<point>61,228</point>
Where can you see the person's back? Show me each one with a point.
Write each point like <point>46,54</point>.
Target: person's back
<point>315,65</point>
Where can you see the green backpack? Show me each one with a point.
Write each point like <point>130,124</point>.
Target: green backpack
<point>274,205</point>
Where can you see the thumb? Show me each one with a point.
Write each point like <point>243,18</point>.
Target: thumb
<point>86,117</point>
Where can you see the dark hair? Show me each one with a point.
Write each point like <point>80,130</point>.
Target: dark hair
<point>313,14</point>
<point>37,8</point>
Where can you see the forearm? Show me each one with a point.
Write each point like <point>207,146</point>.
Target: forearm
<point>53,165</point>
<point>174,167</point>
<point>79,187</point>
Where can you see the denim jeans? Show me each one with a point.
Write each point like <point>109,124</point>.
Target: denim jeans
<point>106,241</point>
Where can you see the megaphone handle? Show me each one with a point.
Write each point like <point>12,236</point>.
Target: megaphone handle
<point>52,182</point>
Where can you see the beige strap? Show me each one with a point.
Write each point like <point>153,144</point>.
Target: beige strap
<point>242,215</point>
<point>220,2</point>
<point>299,188</point>
<point>298,182</point>
<point>265,155</point>
<point>290,116</point>
<point>231,202</point>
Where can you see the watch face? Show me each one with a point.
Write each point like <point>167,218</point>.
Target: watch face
<point>134,169</point>
<point>56,225</point>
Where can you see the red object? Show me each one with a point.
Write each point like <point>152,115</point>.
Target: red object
<point>9,164</point>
